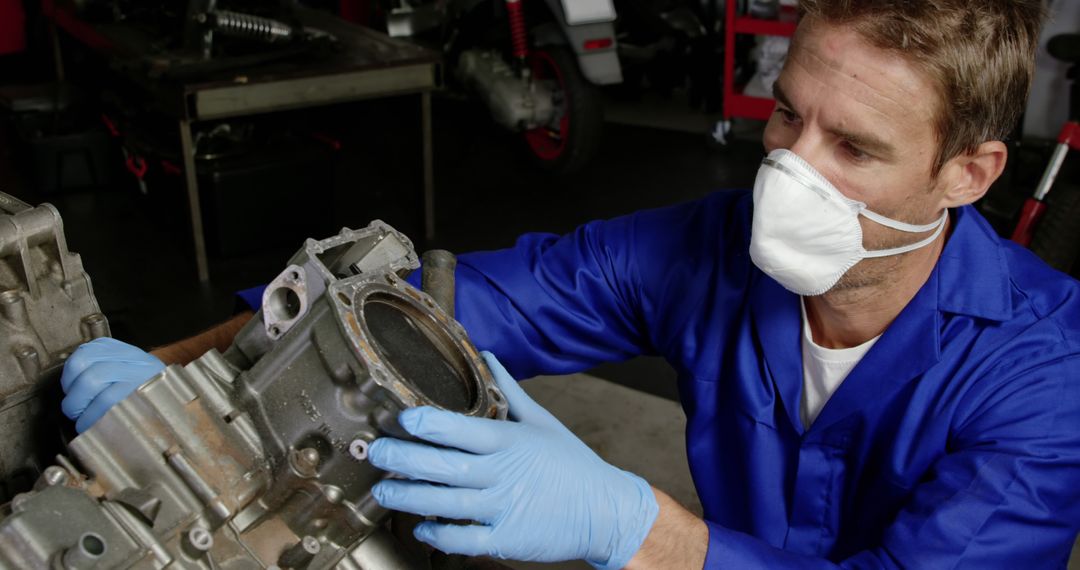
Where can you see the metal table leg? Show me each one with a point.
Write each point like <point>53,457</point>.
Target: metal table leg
<point>58,57</point>
<point>191,180</point>
<point>429,169</point>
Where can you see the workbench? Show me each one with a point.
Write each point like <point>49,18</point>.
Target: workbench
<point>366,64</point>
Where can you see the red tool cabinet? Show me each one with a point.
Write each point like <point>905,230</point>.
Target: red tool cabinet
<point>735,103</point>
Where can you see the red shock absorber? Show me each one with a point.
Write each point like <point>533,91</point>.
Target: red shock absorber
<point>518,34</point>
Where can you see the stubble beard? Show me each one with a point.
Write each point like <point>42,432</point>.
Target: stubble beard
<point>869,276</point>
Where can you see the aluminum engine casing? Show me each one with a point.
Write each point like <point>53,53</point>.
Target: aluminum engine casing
<point>256,458</point>
<point>47,308</point>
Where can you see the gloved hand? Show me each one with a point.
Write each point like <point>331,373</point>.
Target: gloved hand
<point>99,374</point>
<point>536,492</point>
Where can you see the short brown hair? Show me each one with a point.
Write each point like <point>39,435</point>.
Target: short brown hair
<point>980,54</point>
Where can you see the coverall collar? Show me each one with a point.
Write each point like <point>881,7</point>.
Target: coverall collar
<point>970,278</point>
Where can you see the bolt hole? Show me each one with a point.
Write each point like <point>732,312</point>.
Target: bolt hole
<point>294,276</point>
<point>275,331</point>
<point>358,449</point>
<point>92,544</point>
<point>495,395</point>
<point>345,299</point>
<point>201,539</point>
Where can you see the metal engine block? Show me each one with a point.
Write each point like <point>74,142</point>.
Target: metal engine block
<point>515,102</point>
<point>47,308</point>
<point>256,458</point>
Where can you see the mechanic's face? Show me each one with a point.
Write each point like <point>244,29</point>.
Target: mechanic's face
<point>864,118</point>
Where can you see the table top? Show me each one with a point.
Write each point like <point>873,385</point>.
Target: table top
<point>142,56</point>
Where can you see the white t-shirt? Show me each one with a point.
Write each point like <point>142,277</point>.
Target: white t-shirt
<point>824,369</point>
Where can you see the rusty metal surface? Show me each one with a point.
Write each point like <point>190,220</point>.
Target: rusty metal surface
<point>256,458</point>
<point>47,308</point>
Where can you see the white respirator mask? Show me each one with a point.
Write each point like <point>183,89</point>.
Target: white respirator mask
<point>806,234</point>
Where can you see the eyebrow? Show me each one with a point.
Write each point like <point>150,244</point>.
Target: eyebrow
<point>864,141</point>
<point>779,95</point>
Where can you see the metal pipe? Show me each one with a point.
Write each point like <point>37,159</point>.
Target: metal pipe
<point>437,278</point>
<point>85,554</point>
<point>1056,161</point>
<point>187,148</point>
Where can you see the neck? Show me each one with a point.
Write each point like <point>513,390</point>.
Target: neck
<point>849,317</point>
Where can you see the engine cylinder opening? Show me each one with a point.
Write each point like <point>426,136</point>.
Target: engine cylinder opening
<point>284,303</point>
<point>421,352</point>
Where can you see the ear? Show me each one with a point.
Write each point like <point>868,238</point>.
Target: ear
<point>969,176</point>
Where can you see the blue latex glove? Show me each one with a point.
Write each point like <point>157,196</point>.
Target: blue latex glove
<point>536,492</point>
<point>99,374</point>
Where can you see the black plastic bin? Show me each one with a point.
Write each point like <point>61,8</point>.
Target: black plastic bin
<point>268,197</point>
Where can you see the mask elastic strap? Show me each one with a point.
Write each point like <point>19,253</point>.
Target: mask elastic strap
<point>912,246</point>
<point>902,226</point>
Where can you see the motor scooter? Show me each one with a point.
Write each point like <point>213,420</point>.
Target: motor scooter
<point>1050,223</point>
<point>535,64</point>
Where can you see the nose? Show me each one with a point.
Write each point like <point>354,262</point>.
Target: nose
<point>808,141</point>
<point>817,151</point>
<point>810,148</point>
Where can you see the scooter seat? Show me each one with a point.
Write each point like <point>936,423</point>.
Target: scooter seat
<point>1065,47</point>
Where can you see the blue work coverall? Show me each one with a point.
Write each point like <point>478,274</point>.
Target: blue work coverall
<point>955,442</point>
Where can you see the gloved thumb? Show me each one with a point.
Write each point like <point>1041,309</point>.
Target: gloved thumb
<point>522,407</point>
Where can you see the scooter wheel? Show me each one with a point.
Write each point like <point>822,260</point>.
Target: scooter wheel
<point>572,141</point>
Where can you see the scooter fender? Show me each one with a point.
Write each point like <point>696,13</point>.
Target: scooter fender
<point>594,25</point>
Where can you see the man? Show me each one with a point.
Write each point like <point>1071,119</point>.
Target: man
<point>872,379</point>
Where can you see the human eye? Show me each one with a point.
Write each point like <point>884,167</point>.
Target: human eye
<point>855,153</point>
<point>789,116</point>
